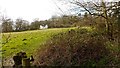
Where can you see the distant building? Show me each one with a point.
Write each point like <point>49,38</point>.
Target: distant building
<point>43,27</point>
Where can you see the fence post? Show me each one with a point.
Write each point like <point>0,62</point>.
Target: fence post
<point>26,63</point>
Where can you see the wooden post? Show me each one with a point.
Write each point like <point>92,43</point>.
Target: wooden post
<point>26,63</point>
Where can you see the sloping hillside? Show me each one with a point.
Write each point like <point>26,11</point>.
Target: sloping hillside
<point>27,41</point>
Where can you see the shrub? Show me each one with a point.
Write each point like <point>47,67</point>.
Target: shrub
<point>74,48</point>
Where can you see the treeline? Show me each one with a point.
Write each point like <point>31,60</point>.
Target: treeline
<point>8,25</point>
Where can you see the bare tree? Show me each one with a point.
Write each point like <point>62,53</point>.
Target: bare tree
<point>99,8</point>
<point>7,24</point>
<point>21,25</point>
<point>18,24</point>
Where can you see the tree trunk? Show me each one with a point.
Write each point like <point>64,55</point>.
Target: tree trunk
<point>109,26</point>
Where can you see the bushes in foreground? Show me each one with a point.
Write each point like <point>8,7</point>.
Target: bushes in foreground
<point>78,47</point>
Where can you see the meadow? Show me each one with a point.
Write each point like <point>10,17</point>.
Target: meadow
<point>27,41</point>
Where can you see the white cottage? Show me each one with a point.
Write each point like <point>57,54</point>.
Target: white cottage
<point>44,27</point>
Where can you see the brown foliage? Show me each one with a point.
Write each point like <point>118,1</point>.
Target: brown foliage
<point>75,47</point>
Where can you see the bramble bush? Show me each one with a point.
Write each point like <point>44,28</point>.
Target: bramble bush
<point>76,47</point>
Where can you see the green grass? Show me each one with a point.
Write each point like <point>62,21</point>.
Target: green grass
<point>28,41</point>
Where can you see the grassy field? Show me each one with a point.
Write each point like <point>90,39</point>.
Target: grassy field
<point>27,41</point>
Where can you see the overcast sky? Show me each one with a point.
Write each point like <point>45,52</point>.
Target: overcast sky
<point>31,9</point>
